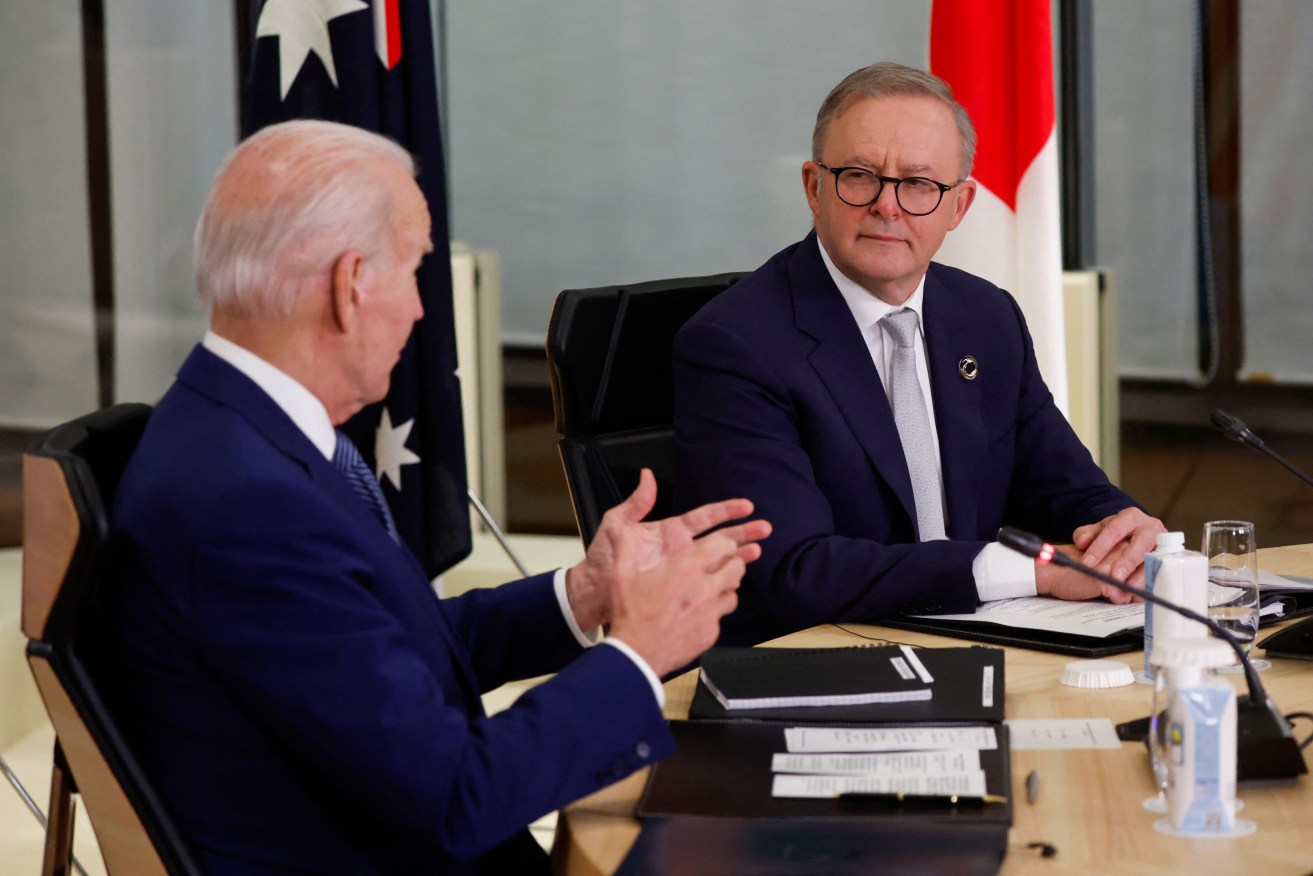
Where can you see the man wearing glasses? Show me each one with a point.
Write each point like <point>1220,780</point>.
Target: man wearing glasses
<point>884,412</point>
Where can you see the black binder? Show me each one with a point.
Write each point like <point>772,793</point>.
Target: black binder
<point>968,687</point>
<point>708,809</point>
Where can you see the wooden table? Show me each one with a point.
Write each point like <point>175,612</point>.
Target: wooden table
<point>1089,802</point>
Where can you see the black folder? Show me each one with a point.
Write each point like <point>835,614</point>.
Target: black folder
<point>723,769</point>
<point>690,845</point>
<point>1295,603</point>
<point>1090,647</point>
<point>968,686</point>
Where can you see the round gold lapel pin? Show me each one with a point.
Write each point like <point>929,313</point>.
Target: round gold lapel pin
<point>968,367</point>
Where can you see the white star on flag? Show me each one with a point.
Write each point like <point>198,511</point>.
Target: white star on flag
<point>390,451</point>
<point>302,27</point>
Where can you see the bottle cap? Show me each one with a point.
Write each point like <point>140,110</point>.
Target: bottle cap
<point>1166,542</point>
<point>1096,673</point>
<point>1204,653</point>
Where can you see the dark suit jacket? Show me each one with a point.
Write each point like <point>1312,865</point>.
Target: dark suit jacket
<point>299,695</point>
<point>776,399</point>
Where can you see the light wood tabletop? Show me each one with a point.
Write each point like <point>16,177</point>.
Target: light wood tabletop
<point>1089,802</point>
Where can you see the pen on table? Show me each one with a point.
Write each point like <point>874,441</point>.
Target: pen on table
<point>929,800</point>
<point>1032,786</point>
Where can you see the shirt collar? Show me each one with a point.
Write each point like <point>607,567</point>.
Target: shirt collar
<point>306,411</point>
<point>866,308</point>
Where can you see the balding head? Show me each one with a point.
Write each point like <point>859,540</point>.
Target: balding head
<point>285,205</point>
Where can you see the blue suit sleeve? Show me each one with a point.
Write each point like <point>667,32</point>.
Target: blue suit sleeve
<point>302,627</point>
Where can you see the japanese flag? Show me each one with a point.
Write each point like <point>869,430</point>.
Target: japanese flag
<point>998,57</point>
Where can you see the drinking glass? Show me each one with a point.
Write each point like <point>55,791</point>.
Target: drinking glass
<point>1233,598</point>
<point>1158,725</point>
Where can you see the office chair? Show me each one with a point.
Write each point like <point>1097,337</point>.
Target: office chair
<point>69,479</point>
<point>608,354</point>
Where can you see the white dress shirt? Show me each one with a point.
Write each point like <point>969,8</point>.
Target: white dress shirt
<point>1000,573</point>
<point>311,417</point>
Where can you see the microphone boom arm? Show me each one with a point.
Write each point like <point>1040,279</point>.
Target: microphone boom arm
<point>1267,750</point>
<point>1035,547</point>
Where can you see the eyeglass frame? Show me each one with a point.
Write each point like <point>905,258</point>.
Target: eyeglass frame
<point>897,181</point>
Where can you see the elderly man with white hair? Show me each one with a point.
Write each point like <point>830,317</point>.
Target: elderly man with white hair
<point>299,697</point>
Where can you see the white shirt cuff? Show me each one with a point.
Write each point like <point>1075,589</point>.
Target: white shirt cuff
<point>657,690</point>
<point>585,640</point>
<point>1002,573</point>
<point>593,636</point>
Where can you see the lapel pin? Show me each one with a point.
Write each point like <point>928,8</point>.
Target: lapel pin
<point>968,367</point>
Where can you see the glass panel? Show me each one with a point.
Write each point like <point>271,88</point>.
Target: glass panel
<point>46,328</point>
<point>597,142</point>
<point>1144,179</point>
<point>173,117</point>
<point>1276,205</point>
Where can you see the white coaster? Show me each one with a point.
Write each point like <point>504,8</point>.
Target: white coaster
<point>1096,674</point>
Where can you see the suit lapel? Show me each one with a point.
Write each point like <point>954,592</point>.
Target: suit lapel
<point>843,363</point>
<point>958,418</point>
<point>219,381</point>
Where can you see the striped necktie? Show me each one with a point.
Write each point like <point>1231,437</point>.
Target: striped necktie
<point>347,460</point>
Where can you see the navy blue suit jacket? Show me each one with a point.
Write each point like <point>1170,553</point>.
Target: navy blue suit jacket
<point>297,692</point>
<point>776,399</point>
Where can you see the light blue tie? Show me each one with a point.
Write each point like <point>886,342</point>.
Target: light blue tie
<point>347,460</point>
<point>913,423</point>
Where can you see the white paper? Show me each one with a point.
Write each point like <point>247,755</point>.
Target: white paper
<point>966,784</point>
<point>1273,581</point>
<point>961,760</point>
<point>1041,733</point>
<point>840,739</point>
<point>1090,618</point>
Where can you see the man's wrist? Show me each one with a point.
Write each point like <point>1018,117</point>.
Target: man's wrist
<point>586,636</point>
<point>579,591</point>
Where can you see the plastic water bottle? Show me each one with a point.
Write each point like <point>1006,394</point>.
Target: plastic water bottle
<point>1200,738</point>
<point>1181,577</point>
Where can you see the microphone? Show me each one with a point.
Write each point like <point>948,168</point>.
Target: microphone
<point>1235,429</point>
<point>1267,750</point>
<point>1296,640</point>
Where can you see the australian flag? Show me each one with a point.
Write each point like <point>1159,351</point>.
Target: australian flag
<point>371,65</point>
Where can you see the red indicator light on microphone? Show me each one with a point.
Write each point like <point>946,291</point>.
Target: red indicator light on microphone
<point>1045,553</point>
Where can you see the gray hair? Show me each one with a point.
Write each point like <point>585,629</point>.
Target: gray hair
<point>285,205</point>
<point>886,79</point>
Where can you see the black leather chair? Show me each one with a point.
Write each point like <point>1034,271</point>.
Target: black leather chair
<point>69,479</point>
<point>608,353</point>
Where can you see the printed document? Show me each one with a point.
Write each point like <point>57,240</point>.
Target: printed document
<point>903,763</point>
<point>843,739</point>
<point>966,784</point>
<point>1093,618</point>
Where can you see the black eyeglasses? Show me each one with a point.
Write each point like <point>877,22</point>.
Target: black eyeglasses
<point>916,195</point>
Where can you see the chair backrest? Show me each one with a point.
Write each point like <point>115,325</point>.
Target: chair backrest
<point>69,479</point>
<point>608,354</point>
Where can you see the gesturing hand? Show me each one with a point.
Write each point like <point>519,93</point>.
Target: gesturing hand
<point>670,613</point>
<point>648,545</point>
